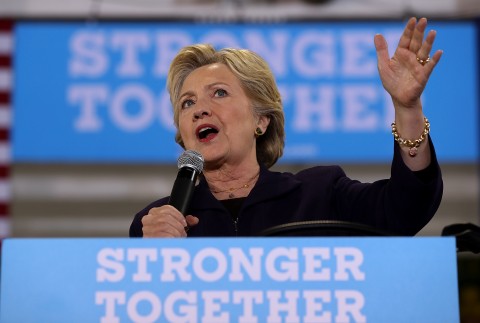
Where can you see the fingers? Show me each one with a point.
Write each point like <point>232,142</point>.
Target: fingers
<point>433,61</point>
<point>424,51</point>
<point>417,36</point>
<point>381,48</point>
<point>413,40</point>
<point>436,57</point>
<point>164,221</point>
<point>407,35</point>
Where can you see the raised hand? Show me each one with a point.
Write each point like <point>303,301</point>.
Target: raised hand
<point>406,74</point>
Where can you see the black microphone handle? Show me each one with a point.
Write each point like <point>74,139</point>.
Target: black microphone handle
<point>183,188</point>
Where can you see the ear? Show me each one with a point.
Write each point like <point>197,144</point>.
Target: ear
<point>263,122</point>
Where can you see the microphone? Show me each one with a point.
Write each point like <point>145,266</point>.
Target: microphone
<point>190,165</point>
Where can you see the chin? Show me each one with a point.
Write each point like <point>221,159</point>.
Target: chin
<point>213,159</point>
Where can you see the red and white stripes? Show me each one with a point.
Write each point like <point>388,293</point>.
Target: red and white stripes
<point>6,83</point>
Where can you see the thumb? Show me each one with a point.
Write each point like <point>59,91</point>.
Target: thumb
<point>381,48</point>
<point>192,220</point>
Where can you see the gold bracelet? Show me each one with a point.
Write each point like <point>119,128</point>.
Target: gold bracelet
<point>411,144</point>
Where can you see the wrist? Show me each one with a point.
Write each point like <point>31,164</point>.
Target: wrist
<point>409,142</point>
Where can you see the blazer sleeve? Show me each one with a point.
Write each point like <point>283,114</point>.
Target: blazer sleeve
<point>403,204</point>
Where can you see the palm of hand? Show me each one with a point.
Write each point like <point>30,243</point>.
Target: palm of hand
<point>403,76</point>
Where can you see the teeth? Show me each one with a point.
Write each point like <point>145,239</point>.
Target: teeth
<point>206,128</point>
<point>203,132</point>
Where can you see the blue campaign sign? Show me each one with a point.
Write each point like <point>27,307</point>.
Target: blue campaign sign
<point>96,92</point>
<point>230,280</point>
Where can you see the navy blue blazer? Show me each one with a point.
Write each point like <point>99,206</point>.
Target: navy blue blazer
<point>403,204</point>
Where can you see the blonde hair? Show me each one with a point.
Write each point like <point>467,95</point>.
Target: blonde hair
<point>257,81</point>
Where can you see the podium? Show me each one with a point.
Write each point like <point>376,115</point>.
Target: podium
<point>268,279</point>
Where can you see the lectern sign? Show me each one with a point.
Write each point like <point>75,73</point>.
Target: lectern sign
<point>229,280</point>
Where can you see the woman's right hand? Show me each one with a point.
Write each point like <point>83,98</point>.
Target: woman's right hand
<point>166,222</point>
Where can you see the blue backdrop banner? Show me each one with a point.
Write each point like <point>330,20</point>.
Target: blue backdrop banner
<point>96,92</point>
<point>230,280</point>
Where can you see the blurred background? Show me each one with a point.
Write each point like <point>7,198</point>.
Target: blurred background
<point>86,137</point>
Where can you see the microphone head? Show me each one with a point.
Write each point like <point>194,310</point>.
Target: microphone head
<point>191,158</point>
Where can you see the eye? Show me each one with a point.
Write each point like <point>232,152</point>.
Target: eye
<point>220,93</point>
<point>187,103</point>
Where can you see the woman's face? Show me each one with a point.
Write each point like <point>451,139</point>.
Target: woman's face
<point>216,117</point>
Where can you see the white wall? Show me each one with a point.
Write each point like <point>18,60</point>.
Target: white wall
<point>237,9</point>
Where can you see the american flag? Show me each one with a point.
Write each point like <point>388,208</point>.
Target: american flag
<point>6,83</point>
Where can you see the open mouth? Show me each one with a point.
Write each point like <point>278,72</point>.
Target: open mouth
<point>206,133</point>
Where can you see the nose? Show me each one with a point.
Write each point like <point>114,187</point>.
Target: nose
<point>201,113</point>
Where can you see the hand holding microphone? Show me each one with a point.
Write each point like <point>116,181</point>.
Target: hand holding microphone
<point>172,220</point>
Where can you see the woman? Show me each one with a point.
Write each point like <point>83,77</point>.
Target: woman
<point>228,108</point>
